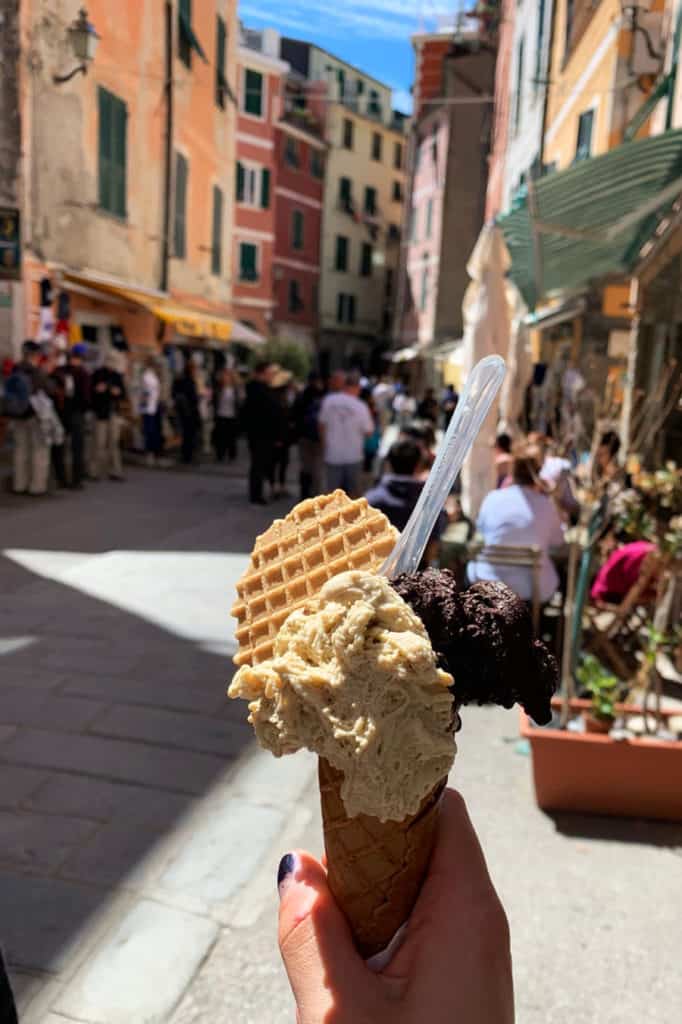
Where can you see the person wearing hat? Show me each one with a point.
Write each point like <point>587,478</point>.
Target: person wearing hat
<point>31,465</point>
<point>75,384</point>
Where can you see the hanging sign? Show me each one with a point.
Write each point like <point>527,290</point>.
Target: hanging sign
<point>10,245</point>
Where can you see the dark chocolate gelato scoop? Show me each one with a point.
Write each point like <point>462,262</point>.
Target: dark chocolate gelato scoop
<point>484,638</point>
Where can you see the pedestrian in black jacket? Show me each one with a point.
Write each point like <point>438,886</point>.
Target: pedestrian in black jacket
<point>108,391</point>
<point>75,386</point>
<point>261,418</point>
<point>186,398</point>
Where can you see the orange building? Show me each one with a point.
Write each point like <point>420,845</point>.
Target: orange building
<point>126,182</point>
<point>260,77</point>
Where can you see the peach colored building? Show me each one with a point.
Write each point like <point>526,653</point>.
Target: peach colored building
<point>126,179</point>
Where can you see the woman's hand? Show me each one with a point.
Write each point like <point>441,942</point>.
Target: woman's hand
<point>453,967</point>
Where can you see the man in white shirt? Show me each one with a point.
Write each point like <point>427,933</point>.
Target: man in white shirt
<point>150,402</point>
<point>344,423</point>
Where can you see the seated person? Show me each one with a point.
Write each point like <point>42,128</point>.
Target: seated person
<point>398,491</point>
<point>503,458</point>
<point>521,515</point>
<point>620,572</point>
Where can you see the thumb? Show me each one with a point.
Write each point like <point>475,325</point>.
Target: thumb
<point>314,939</point>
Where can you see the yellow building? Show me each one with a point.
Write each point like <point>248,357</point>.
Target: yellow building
<point>360,250</point>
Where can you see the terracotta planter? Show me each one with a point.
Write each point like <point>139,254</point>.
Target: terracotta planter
<point>594,724</point>
<point>594,774</point>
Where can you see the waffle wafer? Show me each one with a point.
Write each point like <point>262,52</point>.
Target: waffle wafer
<point>294,558</point>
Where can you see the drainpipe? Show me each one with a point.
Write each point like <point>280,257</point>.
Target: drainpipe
<point>168,149</point>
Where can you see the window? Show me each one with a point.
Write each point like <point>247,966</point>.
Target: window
<point>297,230</point>
<point>583,147</point>
<point>398,155</point>
<point>248,261</point>
<point>221,87</point>
<point>295,302</point>
<point>376,145</point>
<point>397,192</point>
<point>393,233</point>
<point>187,40</point>
<point>359,87</point>
<point>316,164</point>
<point>412,226</point>
<point>253,185</point>
<point>518,96</point>
<point>253,93</point>
<point>570,14</point>
<point>341,79</point>
<point>217,239</point>
<point>429,219</point>
<point>346,194</point>
<point>347,133</point>
<point>424,287</point>
<point>291,152</point>
<point>341,259</point>
<point>374,105</point>
<point>370,201</point>
<point>366,260</point>
<point>345,308</point>
<point>180,222</point>
<point>113,127</point>
<point>539,45</point>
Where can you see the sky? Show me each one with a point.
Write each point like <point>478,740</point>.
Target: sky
<point>372,34</point>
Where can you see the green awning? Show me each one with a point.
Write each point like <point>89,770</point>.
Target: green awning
<point>590,221</point>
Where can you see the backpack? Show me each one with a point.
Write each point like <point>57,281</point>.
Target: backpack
<point>17,398</point>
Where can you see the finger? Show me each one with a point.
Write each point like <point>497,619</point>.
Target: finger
<point>315,940</point>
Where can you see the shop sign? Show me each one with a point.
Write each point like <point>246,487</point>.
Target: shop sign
<point>10,244</point>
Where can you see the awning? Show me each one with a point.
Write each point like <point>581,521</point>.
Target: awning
<point>590,221</point>
<point>188,321</point>
<point>552,316</point>
<point>402,355</point>
<point>246,335</point>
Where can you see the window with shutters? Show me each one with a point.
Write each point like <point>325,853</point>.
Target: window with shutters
<point>397,192</point>
<point>583,147</point>
<point>348,133</point>
<point>253,185</point>
<point>518,91</point>
<point>187,38</point>
<point>297,230</point>
<point>295,299</point>
<point>221,86</point>
<point>397,155</point>
<point>316,164</point>
<point>180,219</point>
<point>366,260</point>
<point>376,145</point>
<point>374,105</point>
<point>346,194</point>
<point>252,93</point>
<point>113,127</point>
<point>345,308</point>
<point>291,154</point>
<point>341,256</point>
<point>248,261</point>
<point>370,201</point>
<point>217,236</point>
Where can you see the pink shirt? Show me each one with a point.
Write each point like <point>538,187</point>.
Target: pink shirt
<point>619,573</point>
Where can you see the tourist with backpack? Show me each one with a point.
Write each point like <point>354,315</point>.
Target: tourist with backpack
<point>31,448</point>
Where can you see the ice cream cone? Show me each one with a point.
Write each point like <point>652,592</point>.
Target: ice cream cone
<point>375,868</point>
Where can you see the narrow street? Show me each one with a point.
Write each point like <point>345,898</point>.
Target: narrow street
<point>140,829</point>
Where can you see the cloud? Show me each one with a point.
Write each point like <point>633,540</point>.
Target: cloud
<point>402,100</point>
<point>383,19</point>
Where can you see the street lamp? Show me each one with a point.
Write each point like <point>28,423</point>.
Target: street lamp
<point>84,40</point>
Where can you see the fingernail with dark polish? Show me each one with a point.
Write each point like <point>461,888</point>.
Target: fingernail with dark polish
<point>287,866</point>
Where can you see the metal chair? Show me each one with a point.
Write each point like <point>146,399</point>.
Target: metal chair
<point>522,558</point>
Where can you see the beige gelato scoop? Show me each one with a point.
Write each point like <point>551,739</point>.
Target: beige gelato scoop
<point>354,679</point>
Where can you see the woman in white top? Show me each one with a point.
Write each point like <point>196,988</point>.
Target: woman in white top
<point>225,403</point>
<point>520,516</point>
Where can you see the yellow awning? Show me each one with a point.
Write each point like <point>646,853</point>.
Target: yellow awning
<point>190,322</point>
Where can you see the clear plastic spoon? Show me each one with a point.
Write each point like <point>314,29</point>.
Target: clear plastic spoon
<point>482,385</point>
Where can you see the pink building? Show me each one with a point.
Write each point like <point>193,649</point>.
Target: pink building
<point>501,111</point>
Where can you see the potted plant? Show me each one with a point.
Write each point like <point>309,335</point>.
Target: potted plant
<point>604,689</point>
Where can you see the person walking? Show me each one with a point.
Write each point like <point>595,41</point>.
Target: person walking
<point>186,399</point>
<point>448,405</point>
<point>225,408</point>
<point>280,383</point>
<point>261,417</point>
<point>75,384</point>
<point>428,407</point>
<point>150,408</point>
<point>345,422</point>
<point>404,407</point>
<point>306,417</point>
<point>31,458</point>
<point>108,391</point>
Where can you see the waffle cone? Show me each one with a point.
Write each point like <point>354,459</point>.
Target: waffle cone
<point>375,868</point>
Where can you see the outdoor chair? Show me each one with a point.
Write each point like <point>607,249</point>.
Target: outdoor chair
<point>519,557</point>
<point>613,627</point>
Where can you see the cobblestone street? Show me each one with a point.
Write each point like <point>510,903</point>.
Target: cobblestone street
<point>140,829</point>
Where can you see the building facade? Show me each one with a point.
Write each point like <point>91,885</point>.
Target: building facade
<point>300,152</point>
<point>260,85</point>
<point>497,161</point>
<point>125,182</point>
<point>362,206</point>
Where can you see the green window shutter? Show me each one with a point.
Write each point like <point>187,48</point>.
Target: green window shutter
<point>248,267</point>
<point>217,240</point>
<point>351,309</point>
<point>120,130</point>
<point>240,182</point>
<point>340,306</point>
<point>104,99</point>
<point>265,188</point>
<point>184,28</point>
<point>220,56</point>
<point>297,229</point>
<point>253,93</point>
<point>370,201</point>
<point>344,191</point>
<point>341,253</point>
<point>180,220</point>
<point>366,260</point>
<point>112,145</point>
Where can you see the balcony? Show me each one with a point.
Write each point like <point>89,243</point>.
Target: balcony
<point>303,118</point>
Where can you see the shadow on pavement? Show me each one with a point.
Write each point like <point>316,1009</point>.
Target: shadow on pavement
<point>621,830</point>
